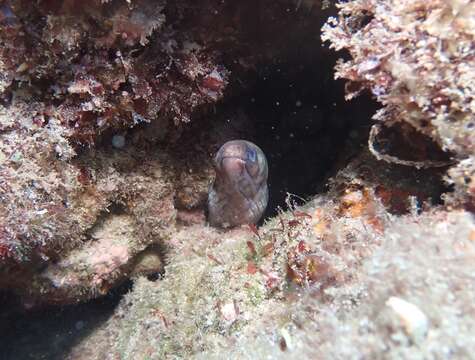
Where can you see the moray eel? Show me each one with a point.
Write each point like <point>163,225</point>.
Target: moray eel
<point>239,193</point>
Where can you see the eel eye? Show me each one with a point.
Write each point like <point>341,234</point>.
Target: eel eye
<point>252,165</point>
<point>251,155</point>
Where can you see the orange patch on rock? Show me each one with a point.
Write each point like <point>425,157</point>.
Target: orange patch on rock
<point>305,268</point>
<point>360,203</point>
<point>322,224</point>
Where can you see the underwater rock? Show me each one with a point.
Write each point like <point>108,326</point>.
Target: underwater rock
<point>230,294</point>
<point>54,202</point>
<point>423,78</point>
<point>93,64</point>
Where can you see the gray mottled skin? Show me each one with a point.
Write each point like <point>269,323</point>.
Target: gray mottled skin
<point>239,192</point>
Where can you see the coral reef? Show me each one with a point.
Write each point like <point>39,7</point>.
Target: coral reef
<point>76,77</point>
<point>97,99</point>
<point>339,277</point>
<point>53,205</point>
<point>110,112</point>
<point>416,59</point>
<point>108,65</point>
<point>74,226</point>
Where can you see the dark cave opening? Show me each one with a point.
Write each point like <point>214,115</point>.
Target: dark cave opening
<point>296,109</point>
<point>308,132</point>
<point>298,112</point>
<point>292,106</point>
